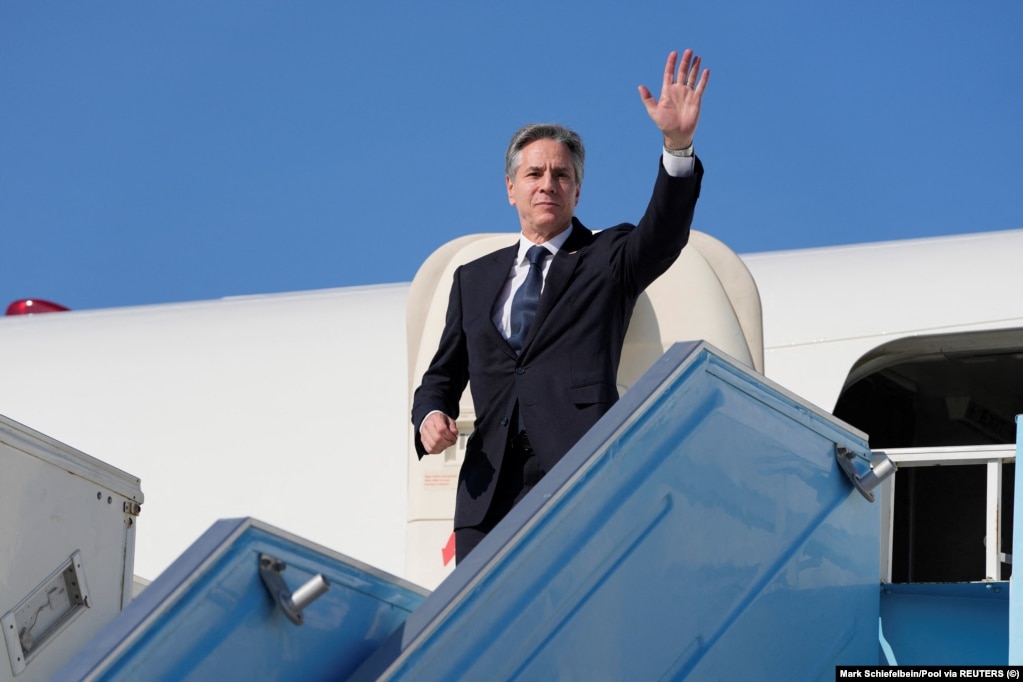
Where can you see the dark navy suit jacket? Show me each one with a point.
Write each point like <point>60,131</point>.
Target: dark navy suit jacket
<point>565,379</point>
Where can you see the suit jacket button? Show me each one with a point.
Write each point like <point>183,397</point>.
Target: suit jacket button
<point>504,422</point>
<point>520,370</point>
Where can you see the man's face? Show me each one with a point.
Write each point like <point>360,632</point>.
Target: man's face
<point>544,189</point>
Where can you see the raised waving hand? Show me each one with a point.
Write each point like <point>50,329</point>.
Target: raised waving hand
<point>677,111</point>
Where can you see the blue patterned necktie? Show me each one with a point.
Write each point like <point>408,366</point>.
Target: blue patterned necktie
<point>527,298</point>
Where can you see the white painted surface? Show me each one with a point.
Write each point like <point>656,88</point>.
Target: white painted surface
<point>288,408</point>
<point>825,308</point>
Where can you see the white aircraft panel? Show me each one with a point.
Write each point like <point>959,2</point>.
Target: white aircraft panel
<point>287,407</point>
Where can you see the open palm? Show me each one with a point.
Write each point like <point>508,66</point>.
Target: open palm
<point>677,111</point>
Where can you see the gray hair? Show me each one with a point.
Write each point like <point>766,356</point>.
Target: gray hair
<point>532,132</point>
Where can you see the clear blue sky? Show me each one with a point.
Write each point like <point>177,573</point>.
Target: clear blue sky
<point>156,152</point>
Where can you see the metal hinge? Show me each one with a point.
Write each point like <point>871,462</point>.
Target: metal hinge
<point>877,469</point>
<point>271,570</point>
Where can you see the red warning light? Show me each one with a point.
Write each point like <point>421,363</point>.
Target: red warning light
<point>33,306</point>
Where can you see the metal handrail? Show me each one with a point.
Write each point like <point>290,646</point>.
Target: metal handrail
<point>993,456</point>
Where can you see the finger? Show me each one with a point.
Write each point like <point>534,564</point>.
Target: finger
<point>669,71</point>
<point>437,440</point>
<point>683,71</point>
<point>437,427</point>
<point>441,425</point>
<point>438,447</point>
<point>648,98</point>
<point>430,443</point>
<point>692,72</point>
<point>702,85</point>
<point>440,444</point>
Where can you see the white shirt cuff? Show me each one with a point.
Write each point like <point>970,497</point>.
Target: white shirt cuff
<point>678,166</point>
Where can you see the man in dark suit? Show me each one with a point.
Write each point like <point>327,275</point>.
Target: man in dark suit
<point>537,328</point>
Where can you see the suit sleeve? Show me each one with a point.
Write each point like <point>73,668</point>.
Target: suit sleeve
<point>448,374</point>
<point>645,252</point>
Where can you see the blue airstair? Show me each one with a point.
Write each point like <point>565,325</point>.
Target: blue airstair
<point>711,526</point>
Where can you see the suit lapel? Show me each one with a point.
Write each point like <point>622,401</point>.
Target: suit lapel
<point>559,275</point>
<point>491,284</point>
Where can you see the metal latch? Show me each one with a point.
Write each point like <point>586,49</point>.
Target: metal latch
<point>271,570</point>
<point>877,469</point>
<point>42,615</point>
